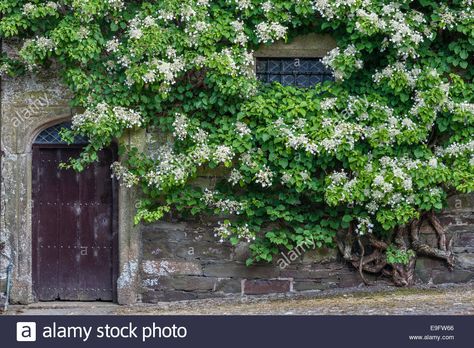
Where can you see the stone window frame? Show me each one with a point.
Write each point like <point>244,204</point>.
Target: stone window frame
<point>305,46</point>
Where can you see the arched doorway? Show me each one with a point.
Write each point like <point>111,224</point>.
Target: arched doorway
<point>74,222</point>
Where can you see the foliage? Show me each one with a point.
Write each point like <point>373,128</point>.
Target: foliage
<point>401,256</point>
<point>390,139</point>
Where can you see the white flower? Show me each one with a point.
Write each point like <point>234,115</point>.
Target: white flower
<point>338,177</point>
<point>242,129</point>
<point>235,177</point>
<point>187,13</point>
<point>223,154</point>
<point>223,231</point>
<point>83,33</point>
<point>243,4</point>
<point>130,117</point>
<point>286,178</point>
<point>379,180</point>
<point>328,104</point>
<point>240,37</point>
<point>433,162</point>
<point>135,33</point>
<point>264,176</point>
<point>28,8</point>
<point>115,4</point>
<point>200,136</point>
<point>243,232</point>
<point>269,32</point>
<point>227,206</point>
<point>180,126</point>
<point>104,113</point>
<point>112,45</point>
<point>52,5</point>
<point>267,6</point>
<point>126,178</point>
<point>364,226</point>
<point>407,184</point>
<point>305,176</point>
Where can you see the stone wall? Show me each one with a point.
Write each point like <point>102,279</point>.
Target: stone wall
<point>458,220</point>
<point>183,260</point>
<point>28,104</point>
<point>174,260</point>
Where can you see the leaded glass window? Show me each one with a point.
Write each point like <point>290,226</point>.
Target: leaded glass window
<point>51,135</point>
<point>300,72</point>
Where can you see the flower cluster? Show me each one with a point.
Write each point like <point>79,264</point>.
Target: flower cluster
<point>401,28</point>
<point>364,225</point>
<point>180,126</point>
<point>127,178</point>
<point>226,206</point>
<point>50,7</point>
<point>264,176</point>
<point>224,230</point>
<point>223,154</point>
<point>242,129</point>
<point>343,63</point>
<point>103,114</point>
<point>170,168</point>
<point>398,72</point>
<point>235,177</point>
<point>269,32</point>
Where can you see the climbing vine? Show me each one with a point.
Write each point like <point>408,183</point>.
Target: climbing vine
<point>358,163</point>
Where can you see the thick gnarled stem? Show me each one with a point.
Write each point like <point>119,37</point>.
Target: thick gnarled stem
<point>405,238</point>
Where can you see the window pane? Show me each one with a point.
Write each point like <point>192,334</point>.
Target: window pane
<point>300,72</point>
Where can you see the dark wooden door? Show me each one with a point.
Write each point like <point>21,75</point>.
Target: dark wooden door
<point>74,227</point>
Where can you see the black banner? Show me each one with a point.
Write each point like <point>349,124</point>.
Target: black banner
<point>237,331</point>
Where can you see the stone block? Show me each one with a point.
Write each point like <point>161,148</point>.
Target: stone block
<point>456,276</point>
<point>170,267</point>
<point>241,252</point>
<point>312,271</point>
<point>165,296</point>
<point>163,230</point>
<point>152,250</point>
<point>238,270</point>
<point>460,203</point>
<point>261,286</point>
<point>311,45</point>
<point>228,285</point>
<point>184,283</point>
<point>308,285</point>
<point>204,251</point>
<point>320,255</point>
<point>352,279</point>
<point>465,261</point>
<point>465,240</point>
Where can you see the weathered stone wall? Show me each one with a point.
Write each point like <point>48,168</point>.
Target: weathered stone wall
<point>173,260</point>
<point>28,103</point>
<point>183,260</point>
<point>458,220</point>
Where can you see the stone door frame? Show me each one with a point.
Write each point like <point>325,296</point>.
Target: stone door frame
<point>16,222</point>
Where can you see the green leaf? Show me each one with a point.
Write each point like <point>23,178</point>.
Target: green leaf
<point>347,218</point>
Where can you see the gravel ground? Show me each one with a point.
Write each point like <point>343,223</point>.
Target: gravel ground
<point>428,300</point>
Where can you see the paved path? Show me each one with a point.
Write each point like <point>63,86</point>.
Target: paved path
<point>456,300</point>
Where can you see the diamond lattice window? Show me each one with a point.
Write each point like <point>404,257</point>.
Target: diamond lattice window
<point>299,72</point>
<point>51,135</point>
